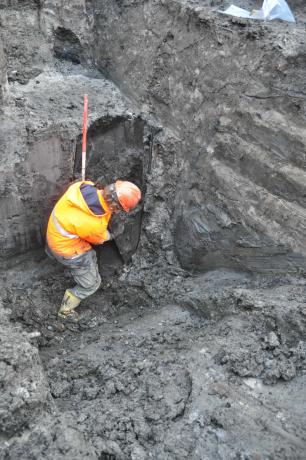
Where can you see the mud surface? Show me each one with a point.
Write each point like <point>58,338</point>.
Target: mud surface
<point>194,347</point>
<point>218,372</point>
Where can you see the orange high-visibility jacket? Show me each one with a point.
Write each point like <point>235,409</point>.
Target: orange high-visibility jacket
<point>79,218</point>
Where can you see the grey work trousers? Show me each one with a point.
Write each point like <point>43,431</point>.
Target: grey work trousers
<point>84,270</point>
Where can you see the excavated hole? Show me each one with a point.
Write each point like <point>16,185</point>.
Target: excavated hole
<point>175,357</point>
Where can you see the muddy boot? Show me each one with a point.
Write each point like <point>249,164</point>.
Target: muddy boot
<point>69,304</point>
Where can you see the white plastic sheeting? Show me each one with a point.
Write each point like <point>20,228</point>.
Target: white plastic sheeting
<point>271,9</point>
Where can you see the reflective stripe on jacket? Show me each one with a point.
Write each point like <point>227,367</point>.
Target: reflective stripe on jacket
<point>79,218</point>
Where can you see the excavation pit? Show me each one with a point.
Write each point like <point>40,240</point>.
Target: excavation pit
<point>194,347</point>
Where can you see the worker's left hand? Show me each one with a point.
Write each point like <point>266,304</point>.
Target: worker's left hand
<point>116,228</point>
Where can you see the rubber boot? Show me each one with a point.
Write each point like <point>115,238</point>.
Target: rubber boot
<point>69,304</point>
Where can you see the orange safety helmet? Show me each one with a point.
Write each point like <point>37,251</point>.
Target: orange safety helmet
<point>128,194</point>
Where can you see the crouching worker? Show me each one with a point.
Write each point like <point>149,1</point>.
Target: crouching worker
<point>79,219</point>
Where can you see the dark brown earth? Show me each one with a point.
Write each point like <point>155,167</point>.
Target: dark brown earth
<point>194,347</point>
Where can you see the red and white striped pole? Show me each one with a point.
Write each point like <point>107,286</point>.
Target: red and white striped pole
<point>85,112</point>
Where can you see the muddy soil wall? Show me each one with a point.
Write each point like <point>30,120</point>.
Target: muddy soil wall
<point>42,82</point>
<point>229,95</point>
<point>233,94</point>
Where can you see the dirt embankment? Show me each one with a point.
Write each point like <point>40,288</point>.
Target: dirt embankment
<point>195,345</point>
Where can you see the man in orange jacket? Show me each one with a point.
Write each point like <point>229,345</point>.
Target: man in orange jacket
<point>79,219</point>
